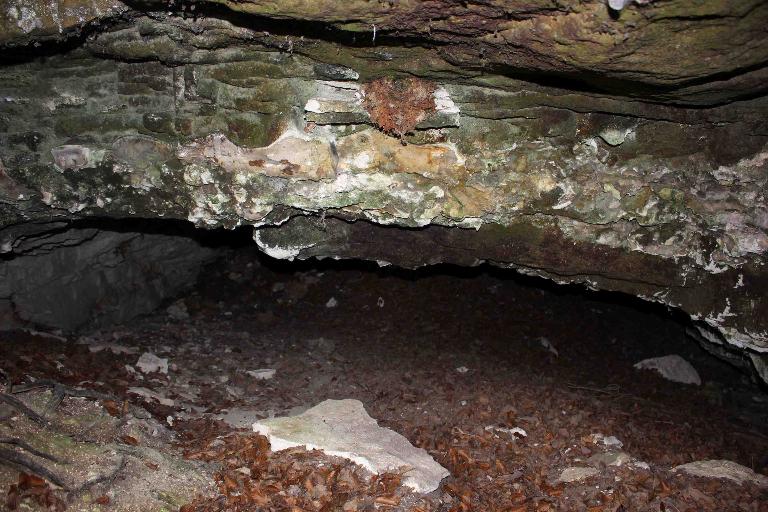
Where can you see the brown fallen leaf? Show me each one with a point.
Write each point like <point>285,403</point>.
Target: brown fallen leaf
<point>102,500</point>
<point>129,440</point>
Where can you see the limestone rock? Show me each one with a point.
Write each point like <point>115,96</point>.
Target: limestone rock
<point>723,469</point>
<point>583,40</point>
<point>171,116</point>
<point>672,367</point>
<point>609,459</point>
<point>241,417</point>
<point>262,373</point>
<point>576,474</point>
<point>342,428</point>
<point>178,310</point>
<point>90,277</point>
<point>150,363</point>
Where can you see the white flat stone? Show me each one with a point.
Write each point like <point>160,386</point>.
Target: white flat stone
<point>343,428</point>
<point>151,395</point>
<point>238,417</point>
<point>723,469</point>
<point>672,367</point>
<point>609,459</point>
<point>576,474</point>
<point>262,373</point>
<point>607,441</point>
<point>150,363</point>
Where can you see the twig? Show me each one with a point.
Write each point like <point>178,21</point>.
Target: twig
<point>59,388</point>
<point>58,396</point>
<point>23,388</point>
<point>24,446</point>
<point>108,478</point>
<point>16,459</point>
<point>60,391</point>
<point>19,406</point>
<point>611,389</point>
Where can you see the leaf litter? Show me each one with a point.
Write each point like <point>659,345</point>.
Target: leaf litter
<point>506,430</point>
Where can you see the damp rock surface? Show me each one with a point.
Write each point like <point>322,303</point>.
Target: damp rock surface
<point>576,474</point>
<point>72,278</point>
<point>723,469</point>
<point>672,367</point>
<point>570,142</point>
<point>344,429</point>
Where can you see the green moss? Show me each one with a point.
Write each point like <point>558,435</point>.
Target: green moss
<point>173,500</point>
<point>160,122</point>
<point>672,196</point>
<point>72,125</point>
<point>249,130</point>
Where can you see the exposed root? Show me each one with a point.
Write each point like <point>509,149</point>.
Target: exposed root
<point>61,389</point>
<point>19,406</point>
<point>28,448</point>
<point>107,478</point>
<point>60,392</point>
<point>19,461</point>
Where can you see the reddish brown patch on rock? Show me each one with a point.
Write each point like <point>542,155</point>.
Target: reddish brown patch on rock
<point>289,168</point>
<point>396,106</point>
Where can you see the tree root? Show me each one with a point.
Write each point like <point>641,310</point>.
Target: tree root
<point>27,447</point>
<point>19,406</point>
<point>60,391</point>
<point>17,460</point>
<point>108,478</point>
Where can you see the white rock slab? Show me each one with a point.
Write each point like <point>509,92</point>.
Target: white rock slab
<point>150,363</point>
<point>262,373</point>
<point>609,459</point>
<point>576,474</point>
<point>149,394</point>
<point>238,417</point>
<point>723,469</point>
<point>514,432</point>
<point>607,441</point>
<point>342,428</point>
<point>672,367</point>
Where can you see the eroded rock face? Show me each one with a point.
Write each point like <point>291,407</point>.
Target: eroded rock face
<point>68,279</point>
<point>560,142</point>
<point>697,53</point>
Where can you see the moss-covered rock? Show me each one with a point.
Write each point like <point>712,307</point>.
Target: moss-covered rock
<point>524,132</point>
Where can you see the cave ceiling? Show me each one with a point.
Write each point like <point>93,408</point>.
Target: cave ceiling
<point>623,150</point>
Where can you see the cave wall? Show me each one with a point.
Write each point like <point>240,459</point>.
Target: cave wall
<point>623,150</point>
<point>59,275</point>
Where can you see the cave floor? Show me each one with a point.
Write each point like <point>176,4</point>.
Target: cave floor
<point>449,360</point>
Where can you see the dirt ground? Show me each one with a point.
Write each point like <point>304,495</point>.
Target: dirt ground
<point>451,359</point>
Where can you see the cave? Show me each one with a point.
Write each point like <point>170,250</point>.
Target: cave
<point>427,256</point>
